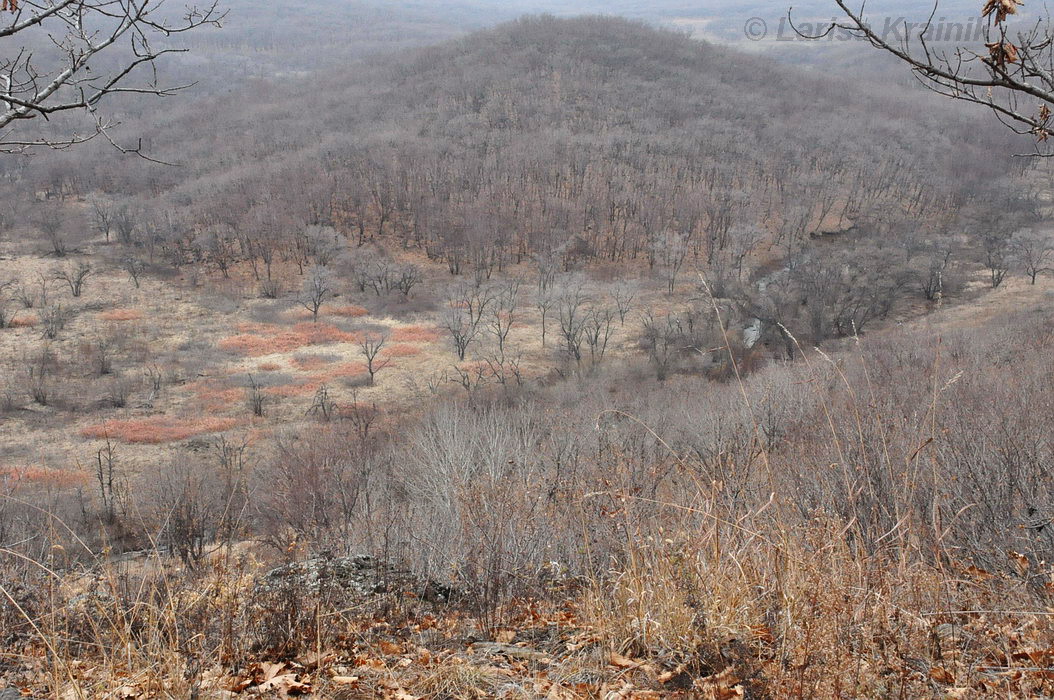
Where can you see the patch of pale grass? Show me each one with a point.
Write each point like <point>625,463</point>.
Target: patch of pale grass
<point>458,680</point>
<point>121,315</point>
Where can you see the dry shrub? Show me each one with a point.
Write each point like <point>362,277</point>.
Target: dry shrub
<point>414,334</point>
<point>157,429</point>
<point>121,315</point>
<point>23,322</point>
<point>270,339</point>
<point>402,350</point>
<point>269,366</point>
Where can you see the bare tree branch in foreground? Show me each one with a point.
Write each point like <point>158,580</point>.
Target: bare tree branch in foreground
<point>1012,74</point>
<point>61,56</point>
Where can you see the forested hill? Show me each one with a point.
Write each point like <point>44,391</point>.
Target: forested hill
<point>602,131</point>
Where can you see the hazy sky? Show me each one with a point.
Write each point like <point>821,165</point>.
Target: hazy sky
<point>727,19</point>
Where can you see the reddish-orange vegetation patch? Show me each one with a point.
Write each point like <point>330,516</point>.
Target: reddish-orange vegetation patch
<point>414,334</point>
<point>269,366</point>
<point>402,350</point>
<point>157,429</point>
<point>19,477</point>
<point>23,322</point>
<point>311,363</point>
<point>350,311</point>
<point>345,370</point>
<point>121,315</point>
<point>270,339</point>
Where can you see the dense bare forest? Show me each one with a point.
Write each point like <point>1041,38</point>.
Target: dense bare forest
<point>422,351</point>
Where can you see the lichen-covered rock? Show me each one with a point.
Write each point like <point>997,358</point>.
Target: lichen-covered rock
<point>356,576</point>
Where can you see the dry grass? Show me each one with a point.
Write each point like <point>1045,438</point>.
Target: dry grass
<point>349,311</point>
<point>304,388</point>
<point>157,429</point>
<point>269,366</point>
<point>121,315</point>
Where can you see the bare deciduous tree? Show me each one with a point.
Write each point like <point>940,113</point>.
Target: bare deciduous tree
<point>1033,252</point>
<point>316,289</point>
<point>623,295</point>
<point>572,321</point>
<point>466,309</point>
<point>135,267</point>
<point>102,215</point>
<point>597,330</point>
<point>74,276</point>
<point>503,313</point>
<point>371,346</point>
<point>996,257</point>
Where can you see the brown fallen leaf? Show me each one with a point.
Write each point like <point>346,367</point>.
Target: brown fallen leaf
<point>391,648</point>
<point>942,675</point>
<point>286,685</point>
<point>315,659</point>
<point>720,686</point>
